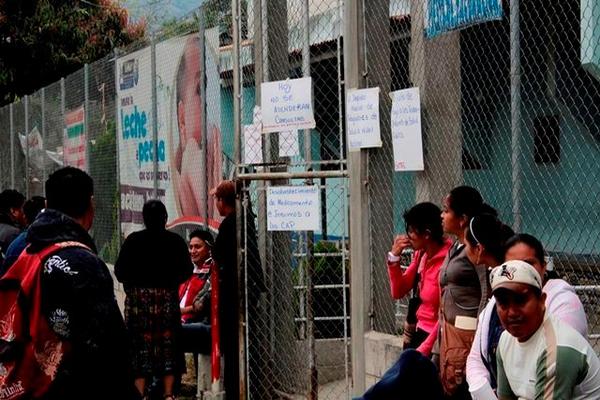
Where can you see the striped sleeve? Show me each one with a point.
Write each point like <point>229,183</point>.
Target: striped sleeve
<point>558,374</point>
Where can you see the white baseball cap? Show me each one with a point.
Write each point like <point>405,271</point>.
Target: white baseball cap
<point>515,271</point>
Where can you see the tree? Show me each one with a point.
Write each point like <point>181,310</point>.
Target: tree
<point>44,40</point>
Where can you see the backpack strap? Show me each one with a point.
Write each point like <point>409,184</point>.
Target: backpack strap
<point>26,268</point>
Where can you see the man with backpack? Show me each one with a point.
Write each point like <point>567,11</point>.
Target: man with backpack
<point>72,343</point>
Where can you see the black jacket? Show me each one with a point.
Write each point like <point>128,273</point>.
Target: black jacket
<point>153,259</point>
<point>78,300</point>
<point>8,232</point>
<point>224,253</point>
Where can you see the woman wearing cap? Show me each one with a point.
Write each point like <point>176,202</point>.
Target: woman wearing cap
<point>561,301</point>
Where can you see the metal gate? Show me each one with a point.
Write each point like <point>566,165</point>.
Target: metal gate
<point>296,329</point>
<point>297,326</point>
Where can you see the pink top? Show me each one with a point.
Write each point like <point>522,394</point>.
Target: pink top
<point>429,288</point>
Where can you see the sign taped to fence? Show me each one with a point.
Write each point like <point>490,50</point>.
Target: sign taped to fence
<point>75,139</point>
<point>180,131</point>
<point>287,105</point>
<point>362,118</point>
<point>407,138</point>
<point>252,144</point>
<point>293,208</point>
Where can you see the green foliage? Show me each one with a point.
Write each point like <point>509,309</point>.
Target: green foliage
<point>327,269</point>
<point>175,27</point>
<point>103,168</point>
<point>43,40</point>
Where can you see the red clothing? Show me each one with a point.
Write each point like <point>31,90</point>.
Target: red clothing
<point>192,287</point>
<point>429,289</point>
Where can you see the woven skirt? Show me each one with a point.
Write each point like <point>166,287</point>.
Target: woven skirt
<point>153,320</point>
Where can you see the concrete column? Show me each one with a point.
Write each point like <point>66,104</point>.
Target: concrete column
<point>381,160</point>
<point>435,69</point>
<point>360,277</point>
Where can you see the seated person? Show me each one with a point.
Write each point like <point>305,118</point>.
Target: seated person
<point>538,355</point>
<point>561,302</point>
<point>200,244</point>
<point>195,296</point>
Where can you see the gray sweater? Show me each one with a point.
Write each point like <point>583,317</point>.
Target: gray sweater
<point>464,288</point>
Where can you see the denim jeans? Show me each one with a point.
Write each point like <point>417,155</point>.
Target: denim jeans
<point>195,338</point>
<point>413,376</point>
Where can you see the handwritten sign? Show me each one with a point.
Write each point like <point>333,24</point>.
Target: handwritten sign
<point>287,105</point>
<point>288,144</point>
<point>406,130</point>
<point>293,208</point>
<point>252,144</point>
<point>362,118</point>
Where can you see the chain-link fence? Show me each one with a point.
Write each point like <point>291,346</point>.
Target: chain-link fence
<point>298,334</point>
<point>158,120</point>
<point>510,107</point>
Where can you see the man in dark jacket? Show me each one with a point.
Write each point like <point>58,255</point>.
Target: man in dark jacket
<point>78,296</point>
<point>225,256</point>
<point>231,295</point>
<point>12,217</point>
<point>32,208</point>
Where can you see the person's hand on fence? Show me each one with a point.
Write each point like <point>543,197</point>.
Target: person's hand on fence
<point>401,242</point>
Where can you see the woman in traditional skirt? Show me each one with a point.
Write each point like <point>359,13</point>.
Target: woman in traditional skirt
<point>151,265</point>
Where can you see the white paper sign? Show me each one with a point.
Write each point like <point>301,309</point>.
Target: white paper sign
<point>287,105</point>
<point>293,208</point>
<point>288,144</point>
<point>406,130</point>
<point>362,118</point>
<point>252,144</point>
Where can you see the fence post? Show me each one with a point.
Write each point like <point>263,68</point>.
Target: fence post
<point>435,70</point>
<point>306,73</point>
<point>515,111</point>
<point>381,190</point>
<point>63,110</point>
<point>237,96</point>
<point>118,158</point>
<point>44,156</point>
<point>310,323</point>
<point>12,146</point>
<point>86,114</point>
<point>203,119</point>
<point>154,116</point>
<point>27,146</point>
<point>360,278</point>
